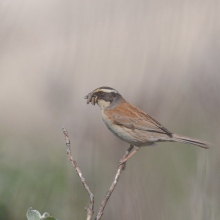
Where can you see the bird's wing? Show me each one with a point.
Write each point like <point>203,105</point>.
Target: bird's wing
<point>144,123</point>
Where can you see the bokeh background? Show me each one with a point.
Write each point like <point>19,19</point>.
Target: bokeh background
<point>163,56</point>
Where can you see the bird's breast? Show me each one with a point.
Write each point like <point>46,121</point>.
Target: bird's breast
<point>121,132</point>
<point>108,120</point>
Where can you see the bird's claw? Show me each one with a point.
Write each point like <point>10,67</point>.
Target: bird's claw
<point>122,163</point>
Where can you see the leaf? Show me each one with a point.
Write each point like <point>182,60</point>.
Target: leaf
<point>47,216</point>
<point>33,214</point>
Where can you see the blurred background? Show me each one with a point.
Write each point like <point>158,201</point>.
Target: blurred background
<point>162,56</point>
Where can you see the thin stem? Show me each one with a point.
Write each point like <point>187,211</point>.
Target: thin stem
<point>113,185</point>
<point>90,209</point>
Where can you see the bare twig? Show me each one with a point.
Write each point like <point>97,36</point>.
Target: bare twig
<point>121,167</point>
<point>113,185</point>
<point>90,209</point>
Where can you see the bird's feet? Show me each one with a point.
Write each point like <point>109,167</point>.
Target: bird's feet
<point>122,163</point>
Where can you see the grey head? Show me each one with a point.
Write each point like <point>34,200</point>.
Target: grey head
<point>104,97</point>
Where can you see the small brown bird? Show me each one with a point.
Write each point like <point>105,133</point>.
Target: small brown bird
<point>132,125</point>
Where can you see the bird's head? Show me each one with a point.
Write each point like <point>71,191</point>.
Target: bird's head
<point>104,97</point>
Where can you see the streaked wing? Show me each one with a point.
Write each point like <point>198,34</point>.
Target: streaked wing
<point>144,123</point>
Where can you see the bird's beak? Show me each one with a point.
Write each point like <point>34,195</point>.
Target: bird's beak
<point>91,98</point>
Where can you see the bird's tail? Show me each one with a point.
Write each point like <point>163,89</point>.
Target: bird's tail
<point>188,140</point>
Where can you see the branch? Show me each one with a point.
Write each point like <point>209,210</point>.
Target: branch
<point>90,209</point>
<point>121,167</point>
<point>113,185</point>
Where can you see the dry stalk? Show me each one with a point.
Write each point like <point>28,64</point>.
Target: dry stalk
<point>113,185</point>
<point>90,209</point>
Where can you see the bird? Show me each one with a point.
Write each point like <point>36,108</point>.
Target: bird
<point>133,125</point>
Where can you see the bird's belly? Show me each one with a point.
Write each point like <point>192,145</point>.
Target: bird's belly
<point>131,136</point>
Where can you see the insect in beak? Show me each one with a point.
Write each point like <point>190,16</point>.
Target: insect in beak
<point>88,97</point>
<point>92,99</point>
